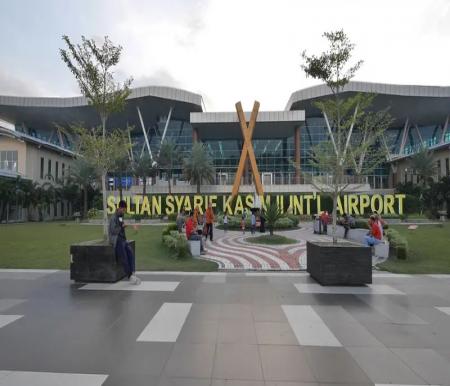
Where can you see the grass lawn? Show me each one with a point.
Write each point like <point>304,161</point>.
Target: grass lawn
<point>429,250</point>
<point>271,240</point>
<point>46,246</point>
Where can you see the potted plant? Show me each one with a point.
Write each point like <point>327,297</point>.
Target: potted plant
<point>92,65</point>
<point>352,151</point>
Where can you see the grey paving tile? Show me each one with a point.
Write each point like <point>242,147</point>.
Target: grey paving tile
<point>382,366</point>
<point>268,313</point>
<point>166,381</point>
<point>204,312</point>
<point>395,313</point>
<point>429,365</point>
<point>285,363</point>
<point>271,383</point>
<point>199,331</point>
<point>134,379</point>
<point>238,362</point>
<point>334,364</point>
<point>190,361</point>
<point>275,333</point>
<point>346,328</point>
<point>235,382</point>
<point>236,331</point>
<point>403,336</point>
<point>5,304</point>
<point>236,311</point>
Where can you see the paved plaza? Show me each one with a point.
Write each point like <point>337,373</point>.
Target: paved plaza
<point>234,329</point>
<point>231,251</point>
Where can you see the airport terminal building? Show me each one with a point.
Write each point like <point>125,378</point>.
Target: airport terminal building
<point>33,144</point>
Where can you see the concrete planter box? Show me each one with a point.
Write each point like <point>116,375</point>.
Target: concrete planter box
<point>339,264</point>
<point>95,261</point>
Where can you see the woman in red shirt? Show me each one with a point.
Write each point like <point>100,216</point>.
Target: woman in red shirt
<point>374,237</point>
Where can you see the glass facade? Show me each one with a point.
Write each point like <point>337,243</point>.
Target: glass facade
<point>8,160</point>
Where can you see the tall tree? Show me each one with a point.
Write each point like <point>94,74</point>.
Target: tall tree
<point>169,158</point>
<point>92,65</point>
<point>199,166</point>
<point>424,166</point>
<point>353,133</point>
<point>84,175</point>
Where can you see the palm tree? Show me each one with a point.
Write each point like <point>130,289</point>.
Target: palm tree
<point>83,174</point>
<point>169,158</point>
<point>143,167</point>
<point>199,166</point>
<point>423,165</point>
<point>273,213</point>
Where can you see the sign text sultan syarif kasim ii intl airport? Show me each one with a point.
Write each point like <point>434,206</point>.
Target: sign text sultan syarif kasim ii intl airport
<point>306,204</point>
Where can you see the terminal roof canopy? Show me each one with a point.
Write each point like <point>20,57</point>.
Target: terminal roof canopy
<point>153,101</point>
<point>225,125</point>
<point>423,105</point>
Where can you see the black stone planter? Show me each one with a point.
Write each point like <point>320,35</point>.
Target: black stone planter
<point>339,264</point>
<point>95,261</point>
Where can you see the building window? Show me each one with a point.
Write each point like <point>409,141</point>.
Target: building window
<point>55,209</point>
<point>438,166</point>
<point>42,168</point>
<point>447,167</point>
<point>8,160</point>
<point>56,170</point>
<point>63,170</point>
<point>49,169</point>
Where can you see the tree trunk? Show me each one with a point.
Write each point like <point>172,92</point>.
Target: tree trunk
<point>85,201</point>
<point>168,180</point>
<point>105,216</point>
<point>120,188</point>
<point>271,230</point>
<point>333,230</point>
<point>144,188</point>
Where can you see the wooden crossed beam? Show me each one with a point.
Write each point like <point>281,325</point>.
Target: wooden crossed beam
<point>247,149</point>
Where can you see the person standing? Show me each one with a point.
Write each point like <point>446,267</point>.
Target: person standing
<point>209,219</point>
<point>180,221</point>
<point>253,222</point>
<point>225,222</point>
<point>119,242</point>
<point>243,223</point>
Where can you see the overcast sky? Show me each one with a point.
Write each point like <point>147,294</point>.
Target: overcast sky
<point>226,50</point>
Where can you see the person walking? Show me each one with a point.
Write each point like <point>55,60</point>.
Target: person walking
<point>209,219</point>
<point>119,242</point>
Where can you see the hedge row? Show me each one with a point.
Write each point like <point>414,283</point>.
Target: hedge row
<point>398,243</point>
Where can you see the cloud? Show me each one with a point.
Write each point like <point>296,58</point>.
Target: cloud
<point>160,77</point>
<point>245,50</point>
<point>12,84</point>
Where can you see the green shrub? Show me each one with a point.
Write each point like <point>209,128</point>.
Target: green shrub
<point>172,217</point>
<point>412,204</point>
<point>398,243</point>
<point>294,219</point>
<point>137,217</point>
<point>93,213</point>
<point>284,223</point>
<point>177,242</point>
<point>169,228</point>
<point>361,223</point>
